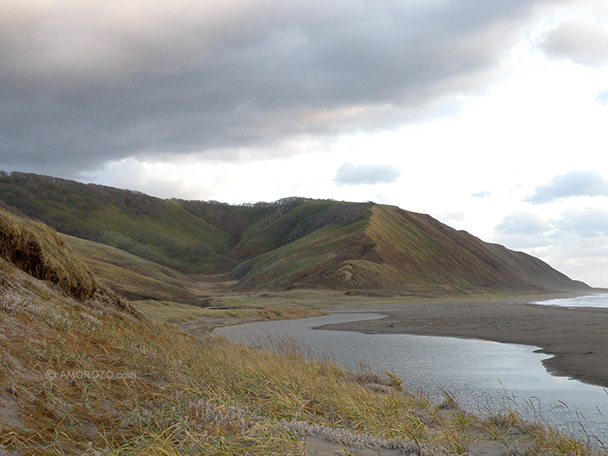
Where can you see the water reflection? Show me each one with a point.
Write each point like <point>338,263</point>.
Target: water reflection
<point>483,376</point>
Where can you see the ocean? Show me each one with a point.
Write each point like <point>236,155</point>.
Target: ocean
<point>592,300</point>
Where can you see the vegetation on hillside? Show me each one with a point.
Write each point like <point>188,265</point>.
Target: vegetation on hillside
<point>132,276</point>
<point>96,377</point>
<point>39,251</point>
<point>152,228</point>
<point>292,243</point>
<point>421,250</point>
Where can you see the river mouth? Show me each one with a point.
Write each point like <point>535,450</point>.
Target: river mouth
<point>484,377</point>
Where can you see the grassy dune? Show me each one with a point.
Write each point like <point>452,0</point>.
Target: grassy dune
<point>39,251</point>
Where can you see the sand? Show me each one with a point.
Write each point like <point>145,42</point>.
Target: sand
<point>577,338</point>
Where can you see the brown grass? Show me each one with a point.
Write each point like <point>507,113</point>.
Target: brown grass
<point>197,319</point>
<point>87,376</point>
<point>198,396</point>
<point>38,250</point>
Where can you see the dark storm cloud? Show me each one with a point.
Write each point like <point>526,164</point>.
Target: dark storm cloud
<point>575,183</point>
<point>85,82</point>
<point>351,174</point>
<point>583,43</point>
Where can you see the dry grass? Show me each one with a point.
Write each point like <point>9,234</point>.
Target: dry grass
<point>87,376</point>
<point>38,250</point>
<point>200,320</point>
<point>181,395</point>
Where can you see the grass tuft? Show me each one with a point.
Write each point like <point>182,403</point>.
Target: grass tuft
<point>38,250</point>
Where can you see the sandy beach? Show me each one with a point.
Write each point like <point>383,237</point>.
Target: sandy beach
<point>577,338</point>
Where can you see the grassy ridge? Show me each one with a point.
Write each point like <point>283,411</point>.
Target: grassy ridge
<point>307,261</point>
<point>420,249</point>
<point>295,242</point>
<point>387,248</point>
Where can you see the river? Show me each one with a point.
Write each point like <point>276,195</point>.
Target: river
<point>483,376</point>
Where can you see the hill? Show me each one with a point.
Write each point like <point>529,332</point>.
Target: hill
<point>292,243</point>
<point>152,228</point>
<point>82,372</point>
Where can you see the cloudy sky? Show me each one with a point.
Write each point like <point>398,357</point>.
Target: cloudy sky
<point>491,116</point>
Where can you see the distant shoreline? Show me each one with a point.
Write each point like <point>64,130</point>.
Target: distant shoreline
<point>577,338</point>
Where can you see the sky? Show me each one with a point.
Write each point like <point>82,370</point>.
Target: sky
<point>491,116</point>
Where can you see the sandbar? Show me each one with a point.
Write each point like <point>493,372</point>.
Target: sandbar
<point>576,337</point>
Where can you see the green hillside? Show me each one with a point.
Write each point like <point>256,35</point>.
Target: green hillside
<point>419,249</point>
<point>294,222</point>
<point>152,228</point>
<point>84,373</point>
<point>307,261</point>
<point>291,243</point>
<point>131,276</point>
<point>406,252</point>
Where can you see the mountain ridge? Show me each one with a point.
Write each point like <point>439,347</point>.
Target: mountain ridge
<point>291,243</point>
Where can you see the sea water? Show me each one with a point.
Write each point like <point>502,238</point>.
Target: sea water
<point>591,300</point>
<point>484,377</point>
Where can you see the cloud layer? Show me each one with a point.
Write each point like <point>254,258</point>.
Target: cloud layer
<point>574,183</point>
<point>522,223</point>
<point>576,240</point>
<point>350,174</point>
<point>82,83</point>
<point>583,43</point>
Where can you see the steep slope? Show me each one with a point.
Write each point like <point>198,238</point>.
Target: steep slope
<point>421,250</point>
<point>292,242</point>
<point>262,227</point>
<point>307,261</point>
<point>402,251</point>
<point>294,222</point>
<point>235,220</point>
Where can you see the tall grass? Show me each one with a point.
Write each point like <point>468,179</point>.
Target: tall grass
<point>38,250</point>
<point>208,396</point>
<point>86,374</point>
